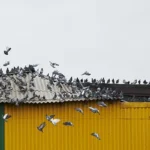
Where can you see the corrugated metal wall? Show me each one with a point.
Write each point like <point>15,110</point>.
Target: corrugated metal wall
<point>121,127</point>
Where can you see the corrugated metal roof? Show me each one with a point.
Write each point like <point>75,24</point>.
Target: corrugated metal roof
<point>40,89</point>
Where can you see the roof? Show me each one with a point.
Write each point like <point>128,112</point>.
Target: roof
<point>13,90</point>
<point>29,86</point>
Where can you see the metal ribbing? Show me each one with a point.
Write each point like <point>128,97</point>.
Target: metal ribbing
<point>121,127</point>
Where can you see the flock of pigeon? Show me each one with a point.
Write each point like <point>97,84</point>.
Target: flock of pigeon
<point>79,89</point>
<point>51,119</point>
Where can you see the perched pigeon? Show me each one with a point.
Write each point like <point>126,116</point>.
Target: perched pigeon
<point>6,116</point>
<point>102,104</point>
<point>123,100</point>
<point>54,121</point>
<point>50,117</point>
<point>79,110</point>
<point>86,73</point>
<point>41,126</point>
<point>6,64</point>
<point>113,81</point>
<point>95,135</point>
<point>53,64</point>
<point>94,110</point>
<point>117,81</point>
<point>139,82</point>
<point>35,65</point>
<point>68,123</point>
<point>7,50</point>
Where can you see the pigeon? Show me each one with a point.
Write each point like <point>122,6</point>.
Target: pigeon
<point>49,87</point>
<point>145,82</point>
<point>123,100</point>
<point>35,65</point>
<point>113,81</point>
<point>108,81</point>
<point>95,135</point>
<point>7,50</point>
<point>6,64</point>
<point>79,110</point>
<point>54,121</point>
<point>53,64</point>
<point>134,82</point>
<point>6,116</point>
<point>94,110</point>
<point>50,117</point>
<point>139,82</point>
<point>102,104</point>
<point>86,73</point>
<point>68,123</point>
<point>41,126</point>
<point>117,81</point>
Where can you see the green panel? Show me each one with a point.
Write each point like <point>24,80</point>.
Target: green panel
<point>1,127</point>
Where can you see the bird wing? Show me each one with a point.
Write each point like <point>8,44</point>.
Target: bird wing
<point>55,120</point>
<point>4,116</point>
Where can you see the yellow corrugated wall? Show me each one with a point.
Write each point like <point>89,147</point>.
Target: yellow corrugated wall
<point>121,127</point>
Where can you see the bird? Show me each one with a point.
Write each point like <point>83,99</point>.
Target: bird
<point>139,82</point>
<point>49,117</point>
<point>54,121</point>
<point>95,135</point>
<point>134,82</point>
<point>68,123</point>
<point>113,81</point>
<point>108,81</point>
<point>35,65</point>
<point>6,116</point>
<point>123,100</point>
<point>86,73</point>
<point>79,110</point>
<point>41,126</point>
<point>6,63</point>
<point>102,104</point>
<point>117,81</point>
<point>145,82</point>
<point>53,64</point>
<point>7,50</point>
<point>94,110</point>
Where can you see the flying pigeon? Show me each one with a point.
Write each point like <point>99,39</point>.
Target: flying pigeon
<point>68,123</point>
<point>7,50</point>
<point>86,73</point>
<point>6,64</point>
<point>95,135</point>
<point>94,110</point>
<point>79,110</point>
<point>102,104</point>
<point>41,126</point>
<point>50,117</point>
<point>53,64</point>
<point>54,121</point>
<point>6,116</point>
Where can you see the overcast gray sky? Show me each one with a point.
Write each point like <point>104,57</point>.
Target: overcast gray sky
<point>108,38</point>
